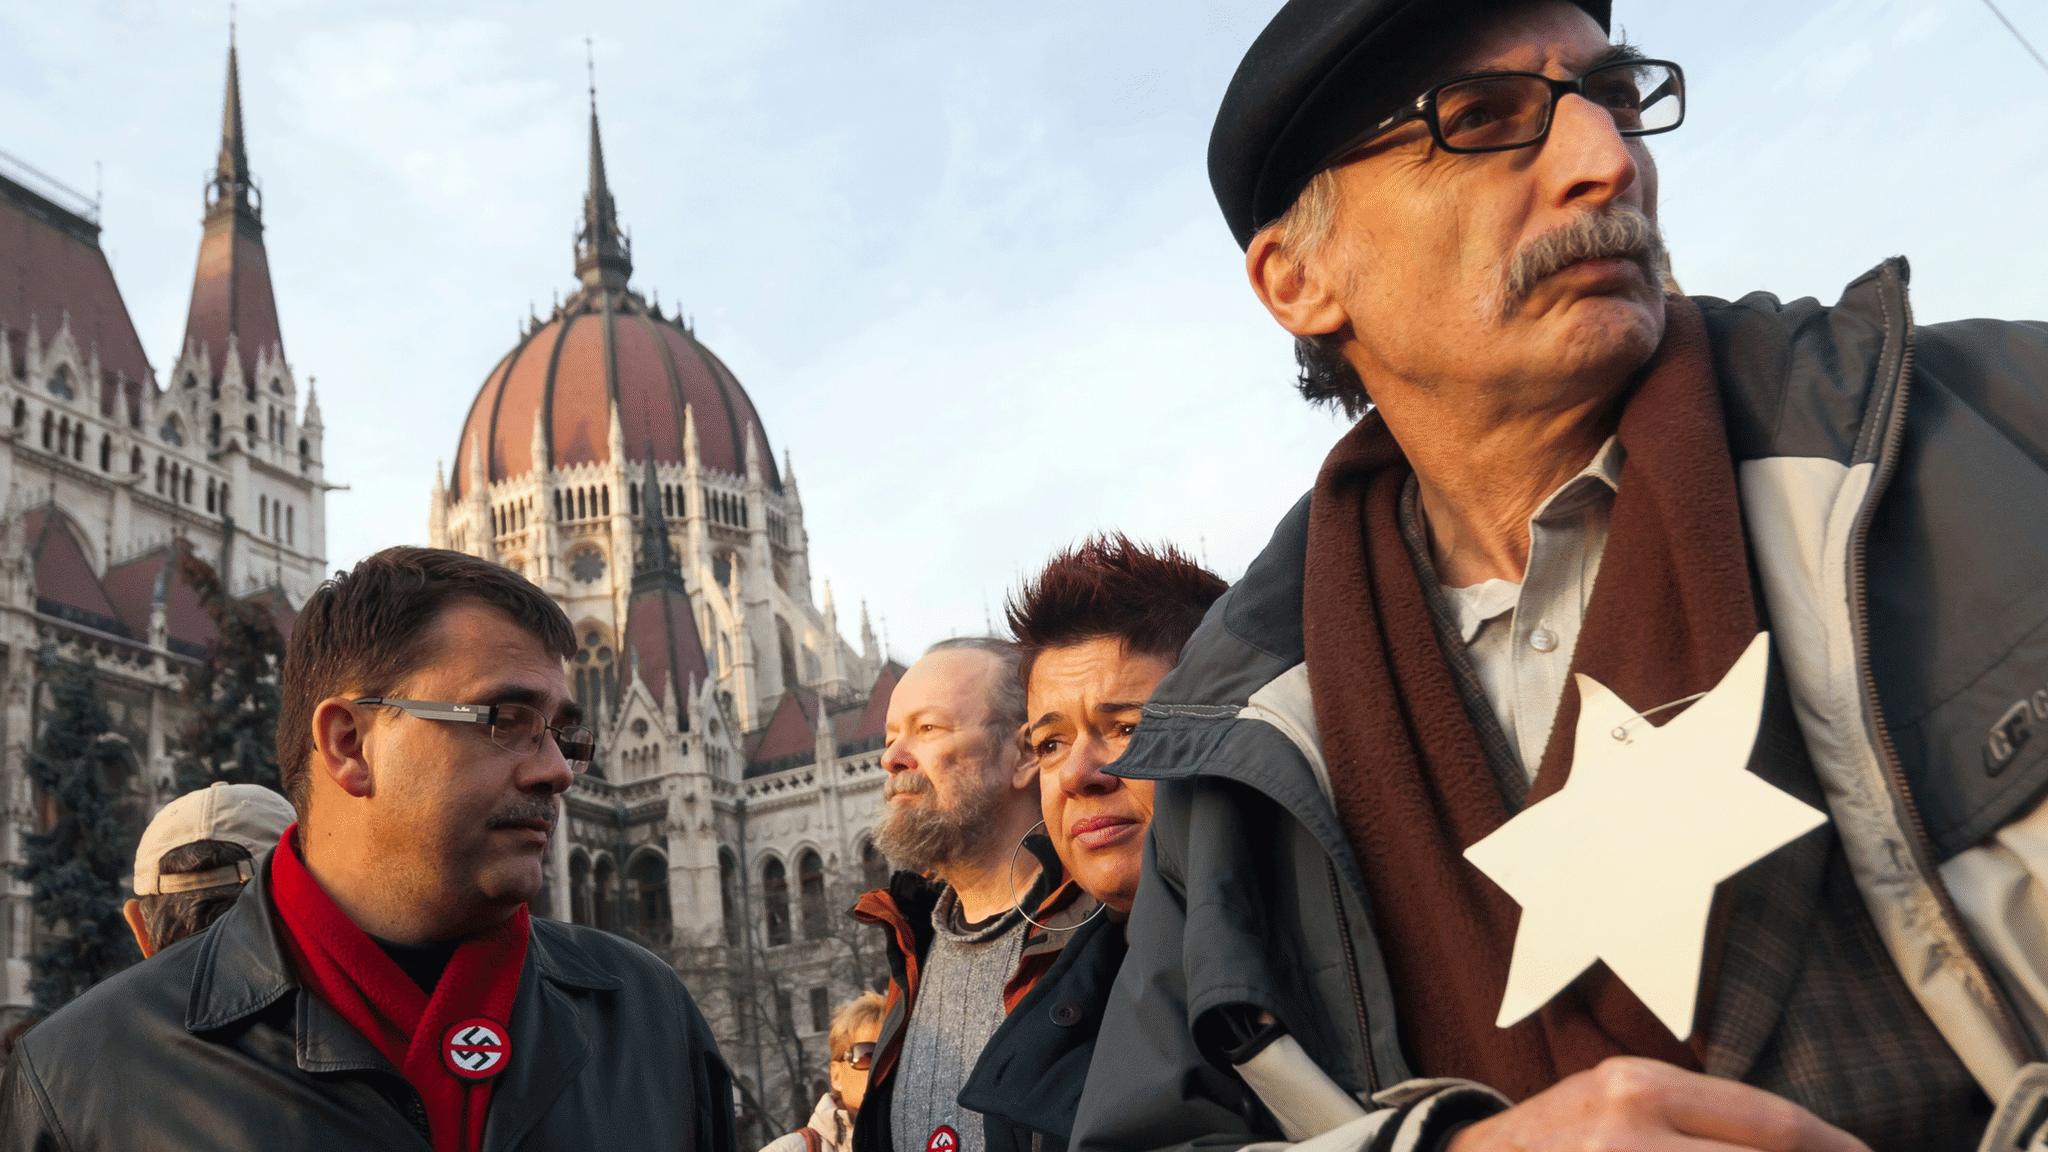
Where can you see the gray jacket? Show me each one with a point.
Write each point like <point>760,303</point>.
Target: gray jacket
<point>1893,481</point>
<point>212,1044</point>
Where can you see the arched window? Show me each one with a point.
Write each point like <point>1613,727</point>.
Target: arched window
<point>582,505</point>
<point>263,518</point>
<point>213,388</point>
<point>209,495</point>
<point>159,475</point>
<point>596,671</point>
<point>20,415</point>
<point>135,461</point>
<point>729,895</point>
<point>106,453</point>
<point>78,443</point>
<point>579,888</point>
<point>633,499</point>
<point>291,535</point>
<point>558,507</point>
<point>648,883</point>
<point>810,880</point>
<point>226,509</point>
<point>213,431</point>
<point>775,900</point>
<point>60,382</point>
<point>249,426</point>
<point>668,500</point>
<point>874,867</point>
<point>188,487</point>
<point>605,893</point>
<point>49,422</point>
<point>604,496</point>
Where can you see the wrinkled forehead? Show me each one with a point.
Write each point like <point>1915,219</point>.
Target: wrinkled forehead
<point>955,681</point>
<point>1548,36</point>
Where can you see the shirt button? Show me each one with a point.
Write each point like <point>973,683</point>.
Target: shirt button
<point>1066,1014</point>
<point>1543,640</point>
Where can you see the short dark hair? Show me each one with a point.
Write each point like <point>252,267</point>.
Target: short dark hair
<point>1151,599</point>
<point>171,916</point>
<point>364,631</point>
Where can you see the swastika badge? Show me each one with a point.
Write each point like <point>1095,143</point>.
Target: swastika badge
<point>476,1049</point>
<point>943,1139</point>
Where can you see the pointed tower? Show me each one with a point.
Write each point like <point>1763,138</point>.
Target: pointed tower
<point>661,639</point>
<point>232,305</point>
<point>604,256</point>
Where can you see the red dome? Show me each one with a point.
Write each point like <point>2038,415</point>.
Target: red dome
<point>607,346</point>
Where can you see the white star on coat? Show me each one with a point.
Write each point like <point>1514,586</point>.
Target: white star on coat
<point>1621,863</point>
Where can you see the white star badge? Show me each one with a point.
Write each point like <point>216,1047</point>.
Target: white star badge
<point>1621,863</point>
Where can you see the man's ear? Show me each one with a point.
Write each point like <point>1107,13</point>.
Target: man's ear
<point>132,912</point>
<point>1024,770</point>
<point>1296,290</point>
<point>338,744</point>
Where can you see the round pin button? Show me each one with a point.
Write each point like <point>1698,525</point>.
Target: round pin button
<point>1066,1013</point>
<point>1543,640</point>
<point>476,1048</point>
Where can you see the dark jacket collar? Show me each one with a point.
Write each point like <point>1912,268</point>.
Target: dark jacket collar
<point>244,969</point>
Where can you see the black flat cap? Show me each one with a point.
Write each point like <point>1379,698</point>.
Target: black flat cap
<point>1321,72</point>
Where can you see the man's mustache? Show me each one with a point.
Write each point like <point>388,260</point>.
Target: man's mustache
<point>524,811</point>
<point>1612,233</point>
<point>907,783</point>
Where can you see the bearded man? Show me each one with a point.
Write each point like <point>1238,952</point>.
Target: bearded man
<point>1418,876</point>
<point>960,801</point>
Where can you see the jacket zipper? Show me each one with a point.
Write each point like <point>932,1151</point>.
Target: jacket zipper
<point>1372,1073</point>
<point>1887,751</point>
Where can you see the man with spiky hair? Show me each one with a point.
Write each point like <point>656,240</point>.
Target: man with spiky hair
<point>1097,628</point>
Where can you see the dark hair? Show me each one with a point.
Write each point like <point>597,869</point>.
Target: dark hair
<point>1324,376</point>
<point>1107,586</point>
<point>172,916</point>
<point>364,631</point>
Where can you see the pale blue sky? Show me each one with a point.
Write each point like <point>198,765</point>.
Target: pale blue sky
<point>964,257</point>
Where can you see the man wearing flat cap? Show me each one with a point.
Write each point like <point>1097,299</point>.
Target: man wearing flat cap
<point>1638,737</point>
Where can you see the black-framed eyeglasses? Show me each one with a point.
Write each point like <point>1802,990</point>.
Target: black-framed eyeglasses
<point>1500,111</point>
<point>861,1056</point>
<point>513,727</point>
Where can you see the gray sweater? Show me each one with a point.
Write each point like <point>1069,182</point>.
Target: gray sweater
<point>959,1004</point>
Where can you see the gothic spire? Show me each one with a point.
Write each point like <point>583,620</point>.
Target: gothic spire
<point>230,190</point>
<point>604,257</point>
<point>657,560</point>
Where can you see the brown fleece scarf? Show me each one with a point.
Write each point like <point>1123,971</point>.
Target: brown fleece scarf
<point>1671,610</point>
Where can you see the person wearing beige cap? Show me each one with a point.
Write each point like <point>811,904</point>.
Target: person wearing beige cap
<point>195,856</point>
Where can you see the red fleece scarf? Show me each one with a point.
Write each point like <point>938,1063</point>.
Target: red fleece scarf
<point>338,962</point>
<point>1672,609</point>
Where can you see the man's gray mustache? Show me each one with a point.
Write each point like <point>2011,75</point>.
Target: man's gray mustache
<point>906,784</point>
<point>1614,233</point>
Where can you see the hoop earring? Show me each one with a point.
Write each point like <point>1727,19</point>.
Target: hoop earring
<point>1017,902</point>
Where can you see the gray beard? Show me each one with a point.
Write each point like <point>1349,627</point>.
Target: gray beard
<point>928,837</point>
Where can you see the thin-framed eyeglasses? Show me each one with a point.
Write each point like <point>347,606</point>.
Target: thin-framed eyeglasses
<point>513,727</point>
<point>860,1056</point>
<point>1500,111</point>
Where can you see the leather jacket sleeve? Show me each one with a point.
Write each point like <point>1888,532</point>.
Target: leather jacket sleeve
<point>26,1122</point>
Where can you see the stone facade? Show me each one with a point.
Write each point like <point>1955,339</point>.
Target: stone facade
<point>106,476</point>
